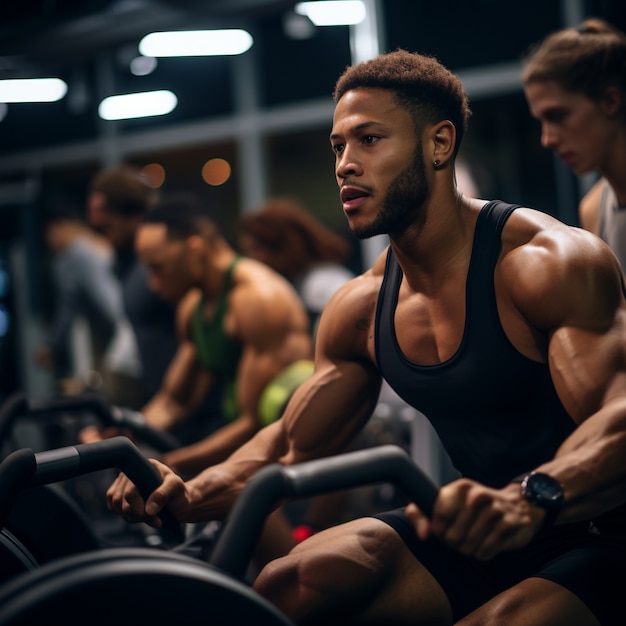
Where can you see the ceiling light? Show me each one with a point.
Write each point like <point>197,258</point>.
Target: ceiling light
<point>333,12</point>
<point>133,105</point>
<point>192,43</point>
<point>32,90</point>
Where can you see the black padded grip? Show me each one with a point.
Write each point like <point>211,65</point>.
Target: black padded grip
<point>23,468</point>
<point>276,482</point>
<point>12,407</point>
<point>16,472</point>
<point>118,417</point>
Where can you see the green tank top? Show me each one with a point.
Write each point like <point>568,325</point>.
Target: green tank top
<point>218,353</point>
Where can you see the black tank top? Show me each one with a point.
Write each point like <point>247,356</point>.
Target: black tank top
<point>495,410</point>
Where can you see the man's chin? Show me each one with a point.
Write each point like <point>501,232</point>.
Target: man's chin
<point>365,232</point>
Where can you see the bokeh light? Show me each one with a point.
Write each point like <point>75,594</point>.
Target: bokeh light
<point>155,174</point>
<point>216,172</point>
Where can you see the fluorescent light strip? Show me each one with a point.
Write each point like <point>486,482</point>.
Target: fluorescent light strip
<point>192,43</point>
<point>134,105</point>
<point>32,90</point>
<point>333,12</point>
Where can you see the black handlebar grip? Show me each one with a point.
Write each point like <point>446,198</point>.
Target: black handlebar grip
<point>275,482</point>
<point>85,401</point>
<point>16,472</point>
<point>116,452</point>
<point>12,407</point>
<point>71,461</point>
<point>160,440</point>
<point>115,416</point>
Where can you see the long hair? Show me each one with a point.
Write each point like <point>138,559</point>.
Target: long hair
<point>295,238</point>
<point>586,59</point>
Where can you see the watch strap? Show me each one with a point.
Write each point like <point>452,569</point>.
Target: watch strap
<point>549,518</point>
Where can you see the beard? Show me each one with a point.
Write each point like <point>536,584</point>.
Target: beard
<point>405,196</point>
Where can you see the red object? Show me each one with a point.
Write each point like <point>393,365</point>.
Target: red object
<point>302,532</point>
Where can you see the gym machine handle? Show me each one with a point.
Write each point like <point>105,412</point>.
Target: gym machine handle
<point>273,483</point>
<point>13,406</point>
<point>119,417</point>
<point>25,468</point>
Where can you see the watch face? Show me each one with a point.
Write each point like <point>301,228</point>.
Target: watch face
<point>542,489</point>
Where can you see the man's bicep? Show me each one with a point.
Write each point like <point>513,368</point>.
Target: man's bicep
<point>589,366</point>
<point>327,411</point>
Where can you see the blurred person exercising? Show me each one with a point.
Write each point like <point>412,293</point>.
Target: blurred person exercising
<point>507,329</point>
<point>117,200</point>
<point>87,289</point>
<point>282,234</point>
<point>241,327</point>
<point>242,330</point>
<point>575,85</point>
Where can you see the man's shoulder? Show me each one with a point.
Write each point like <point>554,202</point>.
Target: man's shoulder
<point>528,225</point>
<point>545,262</point>
<point>357,298</point>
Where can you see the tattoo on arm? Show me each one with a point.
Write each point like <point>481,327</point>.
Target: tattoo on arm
<point>363,324</point>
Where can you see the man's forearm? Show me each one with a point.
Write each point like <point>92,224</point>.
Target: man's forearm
<point>163,412</point>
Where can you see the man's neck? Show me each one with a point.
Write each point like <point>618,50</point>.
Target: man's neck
<point>216,269</point>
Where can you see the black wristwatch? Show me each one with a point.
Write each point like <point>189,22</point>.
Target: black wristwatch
<point>546,492</point>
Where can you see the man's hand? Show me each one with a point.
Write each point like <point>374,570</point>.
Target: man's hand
<point>124,499</point>
<point>479,521</point>
<point>91,434</point>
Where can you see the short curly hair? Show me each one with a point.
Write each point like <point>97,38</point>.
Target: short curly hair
<point>125,189</point>
<point>184,215</point>
<point>422,85</point>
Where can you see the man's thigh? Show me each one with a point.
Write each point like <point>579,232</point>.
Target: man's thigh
<point>535,601</point>
<point>581,572</point>
<point>358,571</point>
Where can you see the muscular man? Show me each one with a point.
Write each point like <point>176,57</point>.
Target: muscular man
<point>507,329</point>
<point>241,328</point>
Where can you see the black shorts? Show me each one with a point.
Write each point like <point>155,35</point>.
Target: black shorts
<point>591,565</point>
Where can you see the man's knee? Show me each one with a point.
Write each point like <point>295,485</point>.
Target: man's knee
<point>274,577</point>
<point>356,570</point>
<point>288,583</point>
<point>324,571</point>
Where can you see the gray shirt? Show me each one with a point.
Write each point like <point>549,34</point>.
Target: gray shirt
<point>87,288</point>
<point>612,223</point>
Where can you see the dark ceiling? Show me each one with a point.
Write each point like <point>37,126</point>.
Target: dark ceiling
<point>40,34</point>
<point>44,34</point>
<point>75,39</point>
